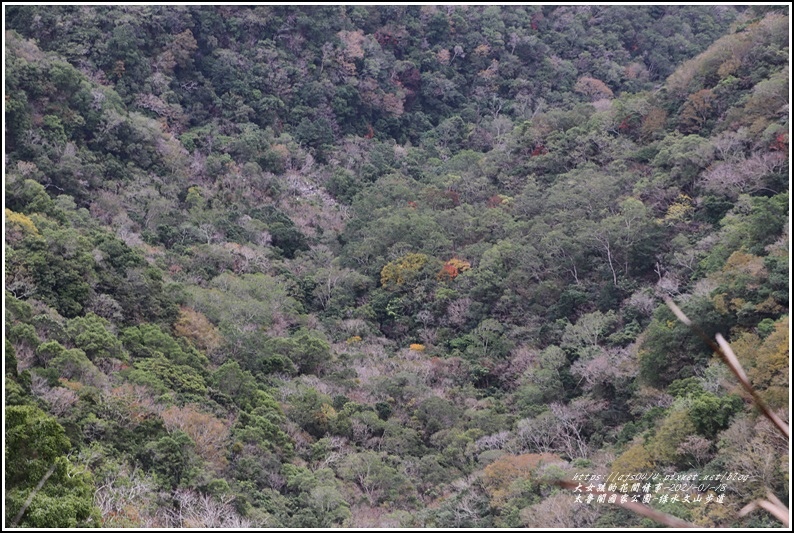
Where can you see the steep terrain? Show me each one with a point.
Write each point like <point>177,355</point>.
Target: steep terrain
<point>379,266</point>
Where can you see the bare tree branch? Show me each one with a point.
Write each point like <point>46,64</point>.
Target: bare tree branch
<point>32,495</point>
<point>639,509</point>
<point>723,349</point>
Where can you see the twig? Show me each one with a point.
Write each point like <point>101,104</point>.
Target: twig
<point>638,508</point>
<point>772,504</point>
<point>733,362</point>
<point>32,495</point>
<point>723,349</point>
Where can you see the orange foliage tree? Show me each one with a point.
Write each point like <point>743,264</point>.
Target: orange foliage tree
<point>506,476</point>
<point>592,88</point>
<point>208,432</point>
<point>452,268</point>
<point>196,328</point>
<point>696,111</point>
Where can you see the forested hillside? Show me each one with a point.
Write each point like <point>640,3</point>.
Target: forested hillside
<point>391,266</point>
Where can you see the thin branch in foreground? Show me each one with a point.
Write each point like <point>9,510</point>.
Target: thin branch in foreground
<point>724,350</point>
<point>32,495</point>
<point>638,508</point>
<point>772,504</point>
<point>733,362</point>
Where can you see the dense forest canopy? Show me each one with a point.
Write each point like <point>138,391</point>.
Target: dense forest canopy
<point>391,266</point>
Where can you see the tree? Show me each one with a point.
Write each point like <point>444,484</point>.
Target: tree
<point>671,433</point>
<point>237,383</point>
<point>743,176</point>
<point>316,497</point>
<point>767,361</point>
<point>588,332</point>
<point>544,381</point>
<point>696,111</point>
<point>312,411</point>
<point>592,88</point>
<point>437,413</point>
<point>488,340</point>
<point>610,367</point>
<point>403,270</point>
<point>559,511</point>
<point>334,283</point>
<point>124,496</point>
<point>149,340</point>
<point>195,327</point>
<point>635,459</point>
<point>209,433</point>
<point>90,333</point>
<point>244,303</point>
<point>163,375</point>
<point>172,458</point>
<point>684,157</point>
<point>669,350</point>
<point>378,480</point>
<point>194,509</point>
<point>572,423</point>
<point>627,239</point>
<point>43,488</point>
<point>307,350</point>
<point>73,364</point>
<point>61,268</point>
<point>509,476</point>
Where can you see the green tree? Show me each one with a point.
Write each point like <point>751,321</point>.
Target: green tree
<point>670,350</point>
<point>672,431</point>
<point>436,414</point>
<point>149,340</point>
<point>712,413</point>
<point>172,458</point>
<point>43,488</point>
<point>376,477</point>
<point>306,349</point>
<point>90,333</point>
<point>237,383</point>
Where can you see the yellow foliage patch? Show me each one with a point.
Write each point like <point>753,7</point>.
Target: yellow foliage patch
<point>403,269</point>
<point>18,226</point>
<point>71,385</point>
<point>669,435</point>
<point>767,362</point>
<point>634,460</point>
<point>680,210</point>
<point>504,476</point>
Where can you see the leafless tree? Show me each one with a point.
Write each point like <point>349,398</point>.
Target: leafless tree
<point>496,441</point>
<point>571,422</point>
<point>194,510</point>
<point>559,511</point>
<point>124,496</point>
<point>609,366</point>
<point>537,434</point>
<point>744,176</point>
<point>698,448</point>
